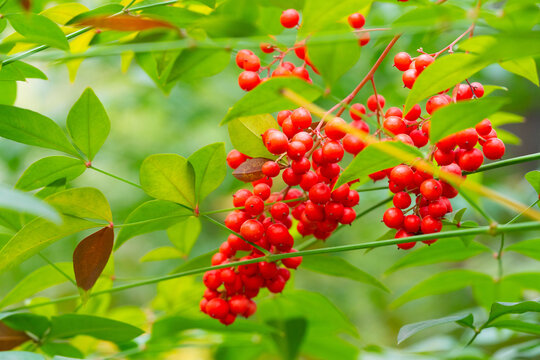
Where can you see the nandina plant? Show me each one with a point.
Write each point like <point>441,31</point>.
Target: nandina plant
<point>328,145</point>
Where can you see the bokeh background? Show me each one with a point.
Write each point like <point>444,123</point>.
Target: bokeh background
<point>146,121</point>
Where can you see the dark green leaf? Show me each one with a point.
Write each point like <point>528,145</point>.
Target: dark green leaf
<point>530,248</point>
<point>21,202</point>
<point>375,157</point>
<point>441,251</point>
<point>517,325</point>
<point>291,335</point>
<point>38,29</point>
<point>459,215</point>
<point>502,308</point>
<point>442,74</point>
<point>20,71</point>
<point>246,134</point>
<point>29,127</point>
<point>525,67</point>
<point>88,123</point>
<point>462,115</point>
<point>169,177</point>
<point>533,177</point>
<point>410,329</point>
<point>151,216</point>
<point>162,253</point>
<point>198,63</point>
<point>47,170</point>
<point>35,324</point>
<point>62,350</point>
<point>267,97</point>
<point>441,283</point>
<point>337,266</point>
<point>69,325</point>
<point>158,66</point>
<point>37,281</point>
<point>209,166</point>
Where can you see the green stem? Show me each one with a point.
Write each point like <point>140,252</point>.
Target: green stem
<point>521,213</point>
<point>241,207</point>
<point>307,244</point>
<point>499,258</point>
<point>57,268</point>
<point>507,162</point>
<point>373,189</point>
<point>500,229</point>
<point>476,207</point>
<point>116,177</point>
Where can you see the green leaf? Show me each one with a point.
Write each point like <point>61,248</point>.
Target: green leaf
<point>29,127</point>
<point>410,329</point>
<point>441,283</point>
<point>21,202</point>
<point>197,262</point>
<point>525,67</point>
<point>20,355</point>
<point>69,325</point>
<point>334,58</point>
<point>197,63</point>
<point>209,166</point>
<point>448,250</point>
<point>28,322</point>
<point>528,280</point>
<point>8,92</point>
<point>162,253</point>
<point>37,235</point>
<point>337,266</point>
<point>181,17</point>
<point>433,16</point>
<point>38,29</point>
<point>20,71</point>
<point>88,123</point>
<point>319,14</point>
<point>533,177</point>
<point>499,309</point>
<point>442,74</point>
<point>246,134</point>
<point>530,248</point>
<point>504,46</point>
<point>151,216</point>
<point>158,66</point>
<point>462,115</point>
<point>169,177</point>
<point>184,234</point>
<point>517,325</point>
<point>291,335</point>
<point>503,118</point>
<point>459,215</point>
<point>375,157</point>
<point>47,170</point>
<point>267,97</point>
<point>108,9</point>
<point>83,202</point>
<point>38,280</point>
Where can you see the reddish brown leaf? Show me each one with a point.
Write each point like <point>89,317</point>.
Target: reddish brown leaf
<point>10,338</point>
<point>125,23</point>
<point>91,256</point>
<point>250,170</point>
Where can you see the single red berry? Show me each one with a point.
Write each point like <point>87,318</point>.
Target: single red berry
<point>235,158</point>
<point>252,63</point>
<point>363,38</point>
<point>467,139</point>
<point>270,168</point>
<point>470,160</point>
<point>304,138</point>
<point>279,211</point>
<point>267,48</point>
<point>248,80</point>
<point>493,149</point>
<point>276,142</point>
<point>301,118</point>
<point>447,144</point>
<point>409,77</point>
<point>235,219</point>
<point>478,89</point>
<point>332,152</point>
<point>238,304</point>
<point>308,180</point>
<point>402,175</point>
<point>301,166</point>
<point>403,234</point>
<point>402,200</point>
<point>334,128</point>
<point>240,197</point>
<point>394,125</point>
<point>289,18</point>
<point>436,102</point>
<point>430,225</point>
<point>241,57</point>
<point>414,113</point>
<point>268,269</point>
<point>356,20</point>
<point>437,208</point>
<point>281,71</point>
<point>296,150</point>
<point>411,223</point>
<point>431,189</point>
<point>423,61</point>
<point>352,199</point>
<point>444,158</point>
<point>393,218</point>
<point>291,178</point>
<point>393,111</point>
<point>252,230</point>
<point>301,72</point>
<point>300,50</point>
<point>275,285</point>
<point>484,127</point>
<point>349,215</point>
<point>254,205</point>
<point>464,92</point>
<point>352,144</point>
<point>217,308</point>
<point>372,102</point>
<point>282,115</point>
<point>419,138</point>
<point>262,190</point>
<point>356,110</point>
<point>402,61</point>
<point>319,193</point>
<point>333,210</point>
<point>212,279</point>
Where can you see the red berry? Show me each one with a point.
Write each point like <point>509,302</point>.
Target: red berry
<point>238,304</point>
<point>333,210</point>
<point>423,61</point>
<point>217,308</point>
<point>393,111</point>
<point>430,225</point>
<point>279,211</point>
<point>252,63</point>
<point>431,189</point>
<point>248,80</point>
<point>281,71</point>
<point>235,219</point>
<point>278,235</point>
<point>402,61</point>
<point>301,118</point>
<point>300,50</point>
<point>356,20</point>
<point>411,223</point>
<point>289,18</point>
<point>240,197</point>
<point>403,234</point>
<point>484,127</point>
<point>267,48</point>
<point>262,190</point>
<point>372,102</point>
<point>349,215</point>
<point>276,142</point>
<point>275,285</point>
<point>478,89</point>
<point>437,208</point>
<point>352,144</point>
<point>470,160</point>
<point>436,102</point>
<point>235,158</point>
<point>467,139</point>
<point>270,169</point>
<point>212,279</point>
<point>464,92</point>
<point>419,138</point>
<point>414,113</point>
<point>252,230</point>
<point>301,166</point>
<point>334,128</point>
<point>493,149</point>
<point>447,144</point>
<point>332,152</point>
<point>301,72</point>
<point>363,38</point>
<point>296,150</point>
<point>393,218</point>
<point>319,193</point>
<point>409,77</point>
<point>402,175</point>
<point>268,270</point>
<point>357,109</point>
<point>254,205</point>
<point>443,158</point>
<point>394,125</point>
<point>241,57</point>
<point>282,115</point>
<point>402,200</point>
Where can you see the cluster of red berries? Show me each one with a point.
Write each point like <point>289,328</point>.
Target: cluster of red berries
<point>253,73</point>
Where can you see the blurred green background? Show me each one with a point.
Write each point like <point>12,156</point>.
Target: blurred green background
<point>146,121</point>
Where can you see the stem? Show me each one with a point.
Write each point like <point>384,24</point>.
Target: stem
<point>451,45</point>
<point>368,77</point>
<point>500,229</point>
<point>499,258</point>
<point>373,189</point>
<point>478,208</point>
<point>306,244</point>
<point>521,213</point>
<point>241,207</point>
<point>115,177</point>
<point>57,268</point>
<point>507,162</point>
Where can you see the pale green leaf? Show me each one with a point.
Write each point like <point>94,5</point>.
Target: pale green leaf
<point>29,127</point>
<point>162,253</point>
<point>525,67</point>
<point>268,97</point>
<point>337,266</point>
<point>47,170</point>
<point>533,177</point>
<point>151,216</point>
<point>169,177</point>
<point>23,203</point>
<point>83,202</point>
<point>197,63</point>
<point>410,329</point>
<point>184,234</point>
<point>38,29</point>
<point>319,14</point>
<point>88,123</point>
<point>504,46</point>
<point>209,166</point>
<point>246,134</point>
<point>20,71</point>
<point>530,248</point>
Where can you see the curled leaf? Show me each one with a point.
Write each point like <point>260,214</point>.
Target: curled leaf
<point>250,170</point>
<point>91,256</point>
<point>125,23</point>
